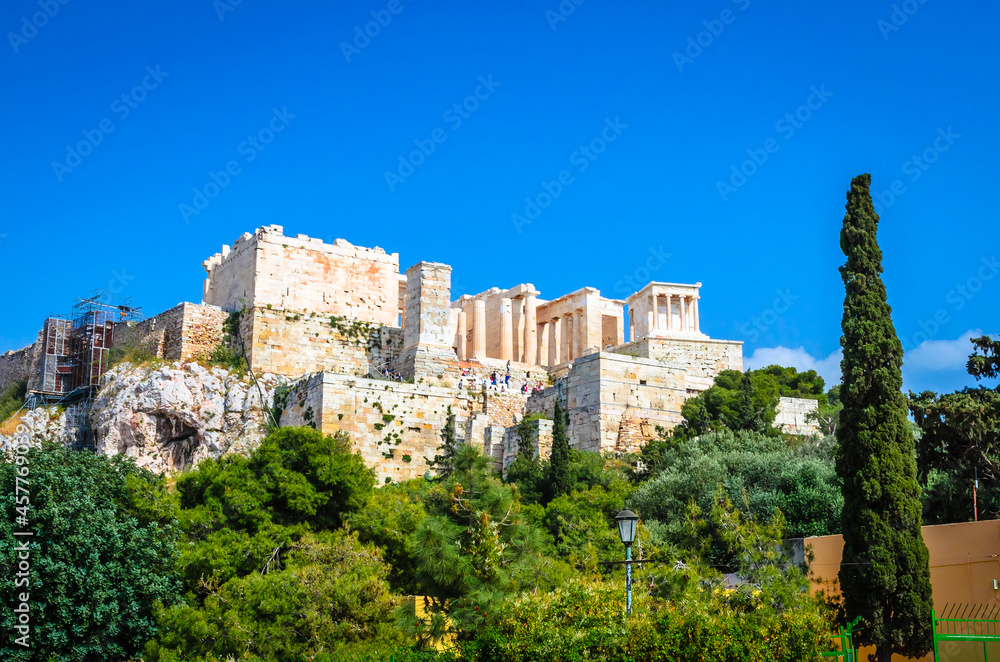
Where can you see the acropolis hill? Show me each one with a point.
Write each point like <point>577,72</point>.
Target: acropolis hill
<point>334,319</point>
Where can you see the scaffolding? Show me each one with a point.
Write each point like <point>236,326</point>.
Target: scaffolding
<point>74,356</point>
<point>75,348</point>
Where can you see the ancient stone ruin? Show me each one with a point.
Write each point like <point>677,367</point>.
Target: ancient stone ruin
<point>383,354</point>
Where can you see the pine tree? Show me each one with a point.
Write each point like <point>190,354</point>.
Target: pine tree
<point>444,459</point>
<point>559,479</point>
<point>885,577</point>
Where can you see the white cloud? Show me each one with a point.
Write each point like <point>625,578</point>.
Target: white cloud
<point>828,368</point>
<point>931,356</point>
<point>941,355</point>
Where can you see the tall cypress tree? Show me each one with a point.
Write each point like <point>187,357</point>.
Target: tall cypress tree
<point>885,577</point>
<point>444,459</point>
<point>559,459</point>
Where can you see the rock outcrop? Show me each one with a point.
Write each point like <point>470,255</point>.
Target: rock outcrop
<point>168,417</point>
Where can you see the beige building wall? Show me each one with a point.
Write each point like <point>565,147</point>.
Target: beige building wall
<point>964,563</point>
<point>304,274</point>
<point>615,402</point>
<point>702,358</point>
<point>396,427</point>
<point>294,343</point>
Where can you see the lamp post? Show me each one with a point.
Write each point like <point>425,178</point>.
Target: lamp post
<point>626,529</point>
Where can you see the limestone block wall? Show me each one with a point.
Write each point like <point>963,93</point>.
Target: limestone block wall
<point>428,334</point>
<point>181,333</point>
<point>201,329</point>
<point>702,359</point>
<point>793,416</point>
<point>15,365</point>
<point>304,273</point>
<point>637,395</point>
<point>428,305</point>
<point>396,427</point>
<point>293,343</point>
<point>541,440</point>
<point>614,401</point>
<point>302,404</point>
<point>232,273</point>
<point>494,444</point>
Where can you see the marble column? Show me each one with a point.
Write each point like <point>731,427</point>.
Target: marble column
<point>578,339</point>
<point>530,330</point>
<point>694,307</point>
<point>651,316</point>
<point>543,344</point>
<point>479,330</point>
<point>555,342</point>
<point>460,349</point>
<point>670,317</point>
<point>566,353</point>
<point>506,331</point>
<point>683,313</point>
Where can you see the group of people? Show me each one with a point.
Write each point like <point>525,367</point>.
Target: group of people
<point>497,382</point>
<point>395,376</point>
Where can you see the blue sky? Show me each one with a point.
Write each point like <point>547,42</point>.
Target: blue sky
<point>629,124</point>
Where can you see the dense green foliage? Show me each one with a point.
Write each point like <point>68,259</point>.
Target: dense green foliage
<point>558,474</point>
<point>388,522</point>
<point>885,577</point>
<point>747,401</point>
<point>690,614</point>
<point>102,555</point>
<point>528,471</point>
<point>959,443</point>
<point>446,451</point>
<point>759,472</point>
<point>473,547</point>
<point>266,569</point>
<point>12,399</point>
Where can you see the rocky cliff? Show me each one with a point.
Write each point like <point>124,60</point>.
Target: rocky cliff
<point>168,416</point>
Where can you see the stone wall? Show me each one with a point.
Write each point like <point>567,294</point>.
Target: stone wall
<point>541,433</point>
<point>793,416</point>
<point>182,333</point>
<point>615,402</point>
<point>396,427</point>
<point>15,365</point>
<point>702,359</point>
<point>294,343</point>
<point>303,273</point>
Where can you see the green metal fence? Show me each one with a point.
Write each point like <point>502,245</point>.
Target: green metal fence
<point>961,629</point>
<point>843,644</point>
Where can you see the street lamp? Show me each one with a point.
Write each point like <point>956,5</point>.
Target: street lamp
<point>626,529</point>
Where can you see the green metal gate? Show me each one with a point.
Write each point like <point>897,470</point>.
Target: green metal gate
<point>967,632</point>
<point>843,644</point>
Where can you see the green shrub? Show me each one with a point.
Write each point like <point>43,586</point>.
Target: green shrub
<point>12,399</point>
<point>136,353</point>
